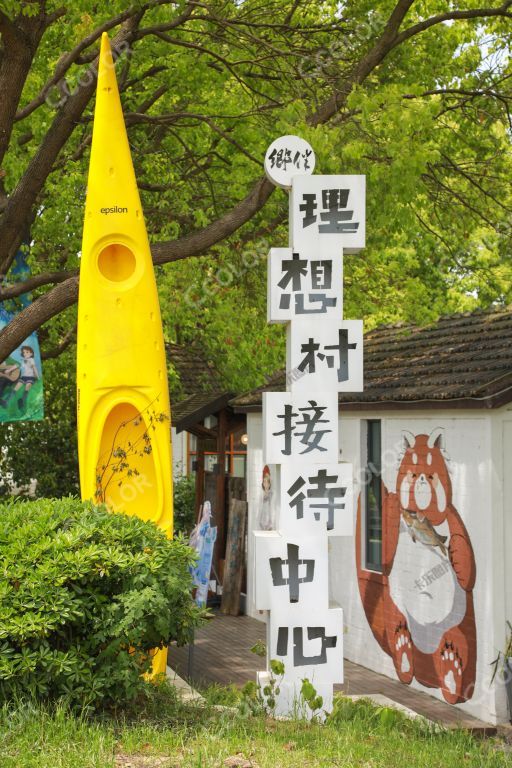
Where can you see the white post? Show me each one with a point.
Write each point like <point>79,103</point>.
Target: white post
<point>300,427</point>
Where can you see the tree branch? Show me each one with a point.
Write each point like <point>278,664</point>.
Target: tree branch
<point>22,200</point>
<point>475,13</point>
<point>20,46</point>
<point>67,340</point>
<point>36,314</point>
<point>368,63</point>
<point>45,278</point>
<point>68,59</point>
<point>199,242</point>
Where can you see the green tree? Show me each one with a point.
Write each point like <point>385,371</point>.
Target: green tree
<point>414,94</point>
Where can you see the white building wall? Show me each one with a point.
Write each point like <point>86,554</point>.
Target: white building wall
<point>179,453</point>
<point>502,436</point>
<point>501,421</point>
<point>470,439</point>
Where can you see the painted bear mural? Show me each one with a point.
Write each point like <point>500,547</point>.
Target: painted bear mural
<point>420,608</point>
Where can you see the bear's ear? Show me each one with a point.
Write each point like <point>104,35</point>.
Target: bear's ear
<point>436,438</point>
<point>408,439</point>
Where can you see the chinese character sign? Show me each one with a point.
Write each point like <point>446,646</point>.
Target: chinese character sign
<point>290,569</point>
<point>309,643</point>
<point>303,287</point>
<point>301,425</point>
<point>316,499</point>
<point>325,355</point>
<point>328,210</point>
<point>286,157</point>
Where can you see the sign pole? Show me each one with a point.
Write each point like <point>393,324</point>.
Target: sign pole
<point>301,430</point>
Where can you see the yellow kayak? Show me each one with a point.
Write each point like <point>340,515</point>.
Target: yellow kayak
<point>124,441</point>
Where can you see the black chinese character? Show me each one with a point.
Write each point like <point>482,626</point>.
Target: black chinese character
<point>309,360</point>
<point>342,348</point>
<point>330,495</point>
<point>314,633</point>
<point>280,158</point>
<point>321,274</point>
<point>311,438</point>
<point>335,216</point>
<point>294,270</point>
<point>308,207</point>
<point>293,581</point>
<point>288,428</point>
<point>305,156</point>
<point>310,350</point>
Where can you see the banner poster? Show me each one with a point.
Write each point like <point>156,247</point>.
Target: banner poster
<point>21,381</point>
<point>202,539</point>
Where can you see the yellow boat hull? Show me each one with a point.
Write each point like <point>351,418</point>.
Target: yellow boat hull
<point>124,441</point>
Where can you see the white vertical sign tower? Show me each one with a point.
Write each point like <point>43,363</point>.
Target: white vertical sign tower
<point>300,426</point>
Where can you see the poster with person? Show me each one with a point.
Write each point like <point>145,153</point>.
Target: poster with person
<point>21,382</point>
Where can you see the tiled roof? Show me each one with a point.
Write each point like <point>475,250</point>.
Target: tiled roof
<point>195,408</point>
<point>462,360</point>
<point>196,373</point>
<point>201,392</point>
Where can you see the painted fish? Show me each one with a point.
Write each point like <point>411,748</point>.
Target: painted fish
<point>422,530</point>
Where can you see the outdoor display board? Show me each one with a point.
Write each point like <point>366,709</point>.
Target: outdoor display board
<point>21,373</point>
<point>301,426</point>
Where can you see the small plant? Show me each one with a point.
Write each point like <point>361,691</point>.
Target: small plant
<point>263,698</point>
<point>370,717</point>
<point>310,697</point>
<point>502,659</point>
<point>259,649</point>
<point>130,444</point>
<point>258,699</point>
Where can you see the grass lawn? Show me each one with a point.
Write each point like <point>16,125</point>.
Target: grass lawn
<point>162,732</point>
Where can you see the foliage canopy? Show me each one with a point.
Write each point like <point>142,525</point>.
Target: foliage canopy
<point>413,93</point>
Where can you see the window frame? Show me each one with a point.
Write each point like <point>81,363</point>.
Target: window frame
<point>372,483</point>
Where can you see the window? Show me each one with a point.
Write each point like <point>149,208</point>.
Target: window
<point>236,454</point>
<point>373,497</point>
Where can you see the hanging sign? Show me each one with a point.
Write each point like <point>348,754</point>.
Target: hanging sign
<point>21,378</point>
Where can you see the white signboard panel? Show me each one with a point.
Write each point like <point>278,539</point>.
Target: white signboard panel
<point>300,427</point>
<point>309,643</point>
<point>304,284</point>
<point>317,499</point>
<point>328,210</point>
<point>286,157</point>
<point>324,355</point>
<point>290,569</point>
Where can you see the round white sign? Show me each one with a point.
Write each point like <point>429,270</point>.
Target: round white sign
<point>286,157</point>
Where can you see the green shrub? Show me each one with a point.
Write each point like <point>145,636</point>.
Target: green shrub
<point>84,596</point>
<point>184,493</point>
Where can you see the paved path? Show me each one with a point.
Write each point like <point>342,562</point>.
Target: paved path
<point>221,655</point>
